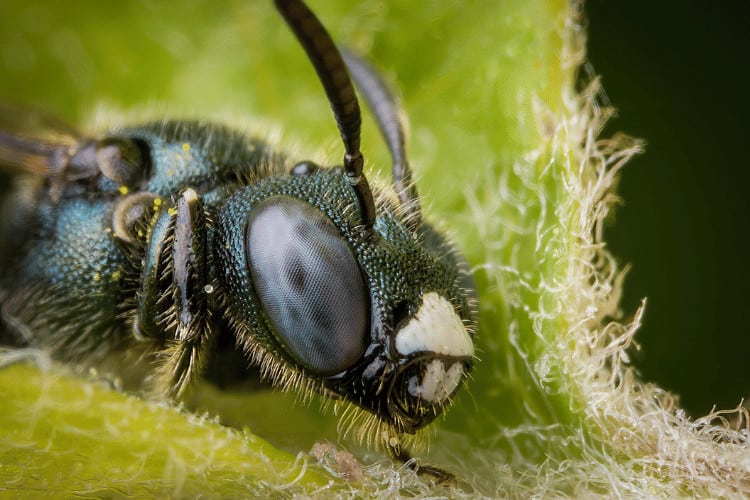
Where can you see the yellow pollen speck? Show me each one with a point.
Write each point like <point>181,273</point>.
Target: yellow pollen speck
<point>123,190</point>
<point>157,202</point>
<point>116,275</point>
<point>97,277</point>
<point>172,211</point>
<point>140,233</point>
<point>186,147</point>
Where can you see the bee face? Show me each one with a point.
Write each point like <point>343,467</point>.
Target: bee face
<point>377,317</point>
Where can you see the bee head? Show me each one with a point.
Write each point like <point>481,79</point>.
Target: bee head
<point>380,317</point>
<point>421,346</point>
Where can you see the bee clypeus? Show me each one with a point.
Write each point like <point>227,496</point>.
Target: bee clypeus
<point>197,246</point>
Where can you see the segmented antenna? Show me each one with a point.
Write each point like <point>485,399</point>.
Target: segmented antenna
<point>383,105</point>
<point>333,75</point>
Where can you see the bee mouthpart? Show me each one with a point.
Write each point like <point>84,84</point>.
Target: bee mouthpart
<point>435,352</point>
<point>423,389</point>
<point>436,383</point>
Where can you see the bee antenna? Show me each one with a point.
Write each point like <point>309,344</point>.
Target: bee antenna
<point>334,76</point>
<point>383,105</point>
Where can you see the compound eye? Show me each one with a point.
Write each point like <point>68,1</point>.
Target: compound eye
<point>309,284</point>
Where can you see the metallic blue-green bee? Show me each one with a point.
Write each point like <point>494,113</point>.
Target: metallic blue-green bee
<point>204,252</point>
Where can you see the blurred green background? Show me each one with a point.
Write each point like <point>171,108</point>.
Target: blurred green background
<point>678,72</point>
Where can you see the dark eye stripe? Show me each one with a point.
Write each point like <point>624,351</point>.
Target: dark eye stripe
<point>309,284</point>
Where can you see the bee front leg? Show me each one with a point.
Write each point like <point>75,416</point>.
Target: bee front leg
<point>172,303</point>
<point>439,475</point>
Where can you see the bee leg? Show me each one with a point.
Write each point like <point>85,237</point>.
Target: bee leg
<point>132,216</point>
<point>174,294</point>
<point>439,475</point>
